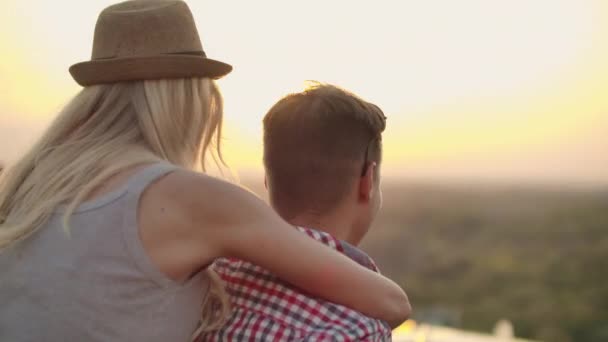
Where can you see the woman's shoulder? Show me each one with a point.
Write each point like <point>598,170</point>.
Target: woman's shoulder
<point>196,192</point>
<point>198,205</point>
<point>178,219</point>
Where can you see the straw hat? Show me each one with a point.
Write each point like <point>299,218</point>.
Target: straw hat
<point>146,39</point>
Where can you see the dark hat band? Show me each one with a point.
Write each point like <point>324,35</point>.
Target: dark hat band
<point>185,53</point>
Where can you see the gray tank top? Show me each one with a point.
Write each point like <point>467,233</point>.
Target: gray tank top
<point>97,283</point>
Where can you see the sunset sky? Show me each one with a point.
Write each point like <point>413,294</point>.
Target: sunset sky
<point>473,89</point>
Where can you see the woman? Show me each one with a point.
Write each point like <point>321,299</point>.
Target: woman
<point>106,232</point>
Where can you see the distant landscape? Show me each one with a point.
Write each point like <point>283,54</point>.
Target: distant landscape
<point>469,256</point>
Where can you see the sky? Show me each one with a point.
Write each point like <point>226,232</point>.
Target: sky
<point>473,89</point>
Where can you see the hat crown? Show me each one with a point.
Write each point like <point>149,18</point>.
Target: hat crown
<point>145,28</point>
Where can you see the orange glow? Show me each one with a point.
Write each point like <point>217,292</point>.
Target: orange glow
<point>471,88</point>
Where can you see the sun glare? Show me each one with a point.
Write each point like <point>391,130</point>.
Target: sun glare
<point>459,80</point>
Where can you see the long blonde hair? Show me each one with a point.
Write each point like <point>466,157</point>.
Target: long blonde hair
<point>103,130</point>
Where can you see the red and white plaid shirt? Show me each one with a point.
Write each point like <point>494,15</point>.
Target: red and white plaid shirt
<point>265,308</point>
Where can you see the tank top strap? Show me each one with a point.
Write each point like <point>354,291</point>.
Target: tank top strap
<point>137,184</point>
<point>142,179</point>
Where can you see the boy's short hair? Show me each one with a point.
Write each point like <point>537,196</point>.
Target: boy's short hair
<point>316,144</point>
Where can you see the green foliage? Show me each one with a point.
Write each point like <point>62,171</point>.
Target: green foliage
<point>536,257</point>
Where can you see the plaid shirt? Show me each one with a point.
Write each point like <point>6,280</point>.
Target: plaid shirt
<point>265,308</point>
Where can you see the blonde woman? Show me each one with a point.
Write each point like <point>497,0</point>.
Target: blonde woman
<point>106,230</point>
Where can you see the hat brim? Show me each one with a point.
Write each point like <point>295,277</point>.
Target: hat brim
<point>114,70</point>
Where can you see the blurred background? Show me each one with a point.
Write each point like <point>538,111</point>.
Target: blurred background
<point>495,172</point>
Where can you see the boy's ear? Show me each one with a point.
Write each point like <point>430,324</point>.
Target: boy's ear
<point>366,182</point>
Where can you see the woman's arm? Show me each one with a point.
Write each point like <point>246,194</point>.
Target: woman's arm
<point>220,219</point>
